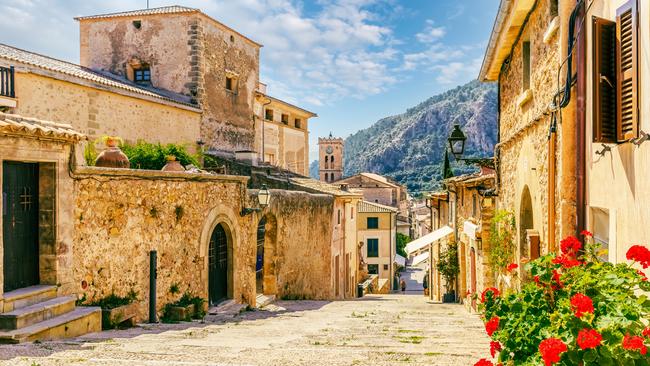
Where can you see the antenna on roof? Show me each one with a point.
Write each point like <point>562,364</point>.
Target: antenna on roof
<point>147,4</point>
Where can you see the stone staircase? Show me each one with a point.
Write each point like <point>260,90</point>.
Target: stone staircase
<point>37,313</point>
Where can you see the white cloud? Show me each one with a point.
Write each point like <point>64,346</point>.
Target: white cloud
<point>431,33</point>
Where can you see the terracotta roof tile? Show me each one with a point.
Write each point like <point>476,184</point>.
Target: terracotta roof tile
<point>67,68</point>
<point>365,206</point>
<point>322,187</point>
<point>153,11</point>
<point>14,124</point>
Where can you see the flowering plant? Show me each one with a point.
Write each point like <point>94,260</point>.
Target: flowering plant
<point>576,310</point>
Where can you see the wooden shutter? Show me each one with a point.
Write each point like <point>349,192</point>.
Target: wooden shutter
<point>627,55</point>
<point>604,80</point>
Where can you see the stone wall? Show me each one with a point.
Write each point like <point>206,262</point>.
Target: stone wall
<point>97,112</point>
<point>524,122</point>
<point>121,215</point>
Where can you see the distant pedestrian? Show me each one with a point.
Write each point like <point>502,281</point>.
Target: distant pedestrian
<point>425,284</point>
<point>403,285</point>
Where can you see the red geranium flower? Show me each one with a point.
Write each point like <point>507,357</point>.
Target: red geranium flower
<point>494,348</point>
<point>581,304</point>
<point>646,332</point>
<point>484,362</point>
<point>639,254</point>
<point>492,325</point>
<point>495,293</point>
<point>550,349</point>
<point>586,233</point>
<point>589,338</point>
<point>566,261</point>
<point>643,276</point>
<point>570,245</point>
<point>634,343</point>
<point>512,266</point>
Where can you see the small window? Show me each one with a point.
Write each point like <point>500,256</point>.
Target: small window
<point>474,206</point>
<point>297,122</point>
<point>137,24</point>
<point>285,119</point>
<point>232,39</point>
<point>331,177</point>
<point>372,223</point>
<point>526,65</point>
<point>232,84</point>
<point>268,114</point>
<point>339,217</point>
<point>385,267</point>
<point>373,248</point>
<point>332,159</point>
<point>352,213</point>
<point>553,7</point>
<point>142,75</point>
<point>373,269</point>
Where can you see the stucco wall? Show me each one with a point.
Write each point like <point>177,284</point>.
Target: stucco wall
<point>524,127</point>
<point>96,112</point>
<point>386,236</point>
<point>617,183</point>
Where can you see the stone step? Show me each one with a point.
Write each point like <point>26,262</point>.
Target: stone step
<point>27,296</point>
<point>39,312</point>
<point>81,320</point>
<point>229,307</point>
<point>263,300</point>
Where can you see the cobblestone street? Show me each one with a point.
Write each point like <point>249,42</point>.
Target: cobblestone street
<point>378,330</point>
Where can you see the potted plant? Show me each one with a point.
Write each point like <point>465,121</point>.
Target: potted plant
<point>118,310</point>
<point>112,157</point>
<point>449,268</point>
<point>186,308</point>
<point>172,165</point>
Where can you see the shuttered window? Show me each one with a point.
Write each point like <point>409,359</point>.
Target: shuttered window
<point>627,55</point>
<point>604,80</point>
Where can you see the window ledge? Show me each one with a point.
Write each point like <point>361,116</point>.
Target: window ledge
<point>552,29</point>
<point>524,98</point>
<point>8,102</point>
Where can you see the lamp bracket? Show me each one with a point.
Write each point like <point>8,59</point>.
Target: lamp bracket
<point>644,137</point>
<point>248,210</point>
<point>605,150</point>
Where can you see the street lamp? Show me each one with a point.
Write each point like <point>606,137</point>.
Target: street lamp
<point>457,146</point>
<point>457,142</point>
<point>263,199</point>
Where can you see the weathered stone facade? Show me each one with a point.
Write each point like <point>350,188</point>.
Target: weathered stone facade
<point>188,53</point>
<point>119,218</point>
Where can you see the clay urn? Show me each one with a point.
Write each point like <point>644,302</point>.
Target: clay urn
<point>112,157</point>
<point>173,165</point>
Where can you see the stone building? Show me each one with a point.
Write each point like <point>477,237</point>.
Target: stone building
<point>570,155</point>
<point>377,235</point>
<point>285,133</point>
<point>380,189</point>
<point>330,158</point>
<point>535,153</point>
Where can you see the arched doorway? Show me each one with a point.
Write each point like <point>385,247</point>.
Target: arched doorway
<point>525,221</point>
<point>259,257</point>
<point>218,265</point>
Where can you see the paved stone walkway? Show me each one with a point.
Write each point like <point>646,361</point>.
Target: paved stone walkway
<point>377,330</point>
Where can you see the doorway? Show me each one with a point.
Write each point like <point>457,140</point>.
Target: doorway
<point>218,265</point>
<point>525,222</point>
<point>20,224</point>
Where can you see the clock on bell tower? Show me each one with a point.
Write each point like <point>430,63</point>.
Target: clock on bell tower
<point>330,159</point>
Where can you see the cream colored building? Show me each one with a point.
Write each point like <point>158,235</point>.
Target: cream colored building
<point>377,234</point>
<point>285,133</point>
<point>379,189</point>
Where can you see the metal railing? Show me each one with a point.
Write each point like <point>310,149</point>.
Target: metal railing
<point>7,82</point>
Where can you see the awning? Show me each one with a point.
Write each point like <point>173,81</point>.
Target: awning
<point>424,241</point>
<point>470,229</point>
<point>420,258</point>
<point>400,261</point>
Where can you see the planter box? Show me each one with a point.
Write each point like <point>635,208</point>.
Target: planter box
<point>179,313</point>
<point>111,318</point>
<point>449,298</point>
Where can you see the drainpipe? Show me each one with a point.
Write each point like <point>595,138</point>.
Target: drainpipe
<point>581,117</point>
<point>551,183</point>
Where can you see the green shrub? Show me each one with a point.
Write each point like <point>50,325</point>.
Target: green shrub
<point>113,301</point>
<point>576,310</point>
<point>448,265</point>
<point>144,155</point>
<point>402,240</point>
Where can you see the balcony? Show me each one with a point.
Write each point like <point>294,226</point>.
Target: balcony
<point>7,91</point>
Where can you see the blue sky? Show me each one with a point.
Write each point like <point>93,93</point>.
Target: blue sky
<point>351,61</point>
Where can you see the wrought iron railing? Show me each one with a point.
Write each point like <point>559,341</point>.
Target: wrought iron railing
<point>7,82</point>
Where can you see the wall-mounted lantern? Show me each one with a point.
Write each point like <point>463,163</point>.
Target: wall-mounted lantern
<point>263,199</point>
<point>457,142</point>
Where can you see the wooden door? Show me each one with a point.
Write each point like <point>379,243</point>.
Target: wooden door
<point>20,224</point>
<point>218,266</point>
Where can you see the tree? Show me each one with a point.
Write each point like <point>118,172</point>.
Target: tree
<point>448,266</point>
<point>402,240</point>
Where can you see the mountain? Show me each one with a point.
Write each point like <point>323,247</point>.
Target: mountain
<point>313,170</point>
<point>410,147</point>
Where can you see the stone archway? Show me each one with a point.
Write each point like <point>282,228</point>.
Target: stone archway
<point>266,255</point>
<point>526,221</point>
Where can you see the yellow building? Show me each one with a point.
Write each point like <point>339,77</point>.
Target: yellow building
<point>284,133</point>
<point>377,235</point>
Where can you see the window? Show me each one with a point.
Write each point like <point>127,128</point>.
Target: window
<point>373,248</point>
<point>339,217</point>
<point>332,159</point>
<point>372,223</point>
<point>385,267</point>
<point>553,8</point>
<point>352,213</point>
<point>285,119</point>
<point>268,115</point>
<point>331,177</point>
<point>137,24</point>
<point>142,75</point>
<point>526,64</point>
<point>230,84</point>
<point>616,76</point>
<point>600,228</point>
<point>373,269</point>
<point>474,205</point>
<point>297,123</point>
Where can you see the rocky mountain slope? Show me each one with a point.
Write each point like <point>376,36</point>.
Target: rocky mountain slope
<point>410,147</point>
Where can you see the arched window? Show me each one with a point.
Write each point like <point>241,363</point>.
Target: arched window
<point>326,158</point>
<point>331,177</point>
<point>332,159</point>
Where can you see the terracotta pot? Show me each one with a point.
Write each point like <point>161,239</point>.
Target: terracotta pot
<point>173,166</point>
<point>113,157</point>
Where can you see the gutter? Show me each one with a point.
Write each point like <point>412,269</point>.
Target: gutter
<point>502,14</point>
